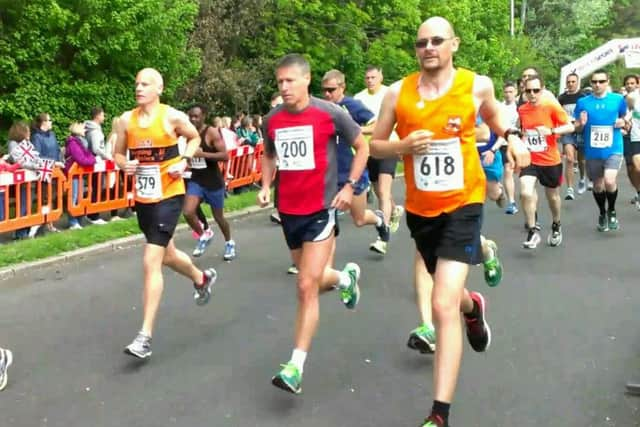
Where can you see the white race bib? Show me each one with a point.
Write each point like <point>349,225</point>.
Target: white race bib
<point>148,183</point>
<point>294,146</point>
<point>601,136</point>
<point>441,169</point>
<point>198,163</point>
<point>537,143</point>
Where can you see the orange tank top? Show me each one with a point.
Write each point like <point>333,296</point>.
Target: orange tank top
<point>155,151</point>
<point>451,175</point>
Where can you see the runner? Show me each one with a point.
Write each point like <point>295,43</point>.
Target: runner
<point>150,133</point>
<point>207,184</point>
<point>435,111</point>
<point>542,121</point>
<point>333,87</point>
<point>510,111</point>
<point>573,152</point>
<point>6,359</point>
<point>302,133</point>
<point>381,171</point>
<point>600,117</point>
<point>631,135</point>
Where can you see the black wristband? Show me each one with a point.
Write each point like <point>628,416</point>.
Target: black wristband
<point>187,158</point>
<point>512,131</point>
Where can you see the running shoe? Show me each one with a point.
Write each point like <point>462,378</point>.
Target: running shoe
<point>512,209</point>
<point>396,215</point>
<point>6,359</point>
<point>582,186</point>
<point>633,388</point>
<point>293,269</point>
<point>613,221</point>
<point>492,266</point>
<point>555,237</point>
<point>383,229</point>
<point>229,250</point>
<point>204,241</point>
<point>288,379</point>
<point>590,186</point>
<point>533,238</point>
<point>275,218</point>
<point>638,205</point>
<point>478,331</point>
<point>351,294</point>
<point>570,195</point>
<point>194,234</point>
<point>603,225</point>
<point>434,420</point>
<point>75,226</point>
<point>378,246</point>
<point>202,293</point>
<point>634,200</point>
<point>140,347</point>
<point>423,339</point>
<point>98,221</point>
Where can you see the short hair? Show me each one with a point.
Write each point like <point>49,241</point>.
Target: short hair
<point>631,76</point>
<point>39,119</point>
<point>509,84</point>
<point>95,112</point>
<point>574,74</point>
<point>216,122</point>
<point>535,77</point>
<point>202,108</point>
<point>76,128</point>
<point>246,121</point>
<point>18,131</point>
<point>601,71</point>
<point>373,68</point>
<point>294,59</point>
<point>336,75</point>
<point>535,69</point>
<point>226,122</point>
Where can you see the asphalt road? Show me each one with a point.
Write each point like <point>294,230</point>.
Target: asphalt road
<point>564,320</point>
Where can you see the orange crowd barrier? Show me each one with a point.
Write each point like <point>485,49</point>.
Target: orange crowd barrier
<point>101,188</point>
<point>240,167</point>
<point>36,201</point>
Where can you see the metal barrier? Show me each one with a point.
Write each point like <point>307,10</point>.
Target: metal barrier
<point>36,202</point>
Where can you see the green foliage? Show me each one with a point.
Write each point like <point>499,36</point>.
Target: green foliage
<point>65,56</point>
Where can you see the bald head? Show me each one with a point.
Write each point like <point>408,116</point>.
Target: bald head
<point>437,25</point>
<point>149,86</point>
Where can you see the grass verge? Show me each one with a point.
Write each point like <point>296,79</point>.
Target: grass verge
<point>52,244</point>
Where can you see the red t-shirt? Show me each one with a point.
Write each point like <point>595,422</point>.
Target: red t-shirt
<point>544,150</point>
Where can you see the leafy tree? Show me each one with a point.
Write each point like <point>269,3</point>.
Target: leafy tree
<point>65,56</point>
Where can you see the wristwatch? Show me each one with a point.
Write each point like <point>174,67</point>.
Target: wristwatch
<point>187,158</point>
<point>351,182</point>
<point>512,131</point>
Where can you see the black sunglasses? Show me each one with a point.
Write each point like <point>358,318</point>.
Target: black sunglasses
<point>598,81</point>
<point>329,89</point>
<point>532,90</point>
<point>435,41</point>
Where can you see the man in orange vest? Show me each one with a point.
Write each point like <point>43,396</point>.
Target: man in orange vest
<point>150,132</point>
<point>435,112</point>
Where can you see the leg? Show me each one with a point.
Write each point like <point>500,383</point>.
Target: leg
<point>180,262</point>
<point>223,224</point>
<point>383,192</point>
<point>153,286</point>
<point>570,159</point>
<point>555,202</point>
<point>189,210</point>
<point>359,212</point>
<point>529,199</point>
<point>423,338</point>
<point>509,182</point>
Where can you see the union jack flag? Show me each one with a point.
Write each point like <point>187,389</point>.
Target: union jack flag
<point>45,169</point>
<point>24,150</point>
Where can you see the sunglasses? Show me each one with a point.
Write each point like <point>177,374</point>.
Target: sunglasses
<point>598,81</point>
<point>435,41</point>
<point>329,89</point>
<point>532,90</point>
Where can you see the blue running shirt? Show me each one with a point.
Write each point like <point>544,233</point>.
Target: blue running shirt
<point>601,138</point>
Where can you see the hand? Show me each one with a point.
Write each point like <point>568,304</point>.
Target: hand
<point>342,201</point>
<point>518,152</point>
<point>583,118</point>
<point>264,197</point>
<point>130,167</point>
<point>198,152</point>
<point>620,123</point>
<point>177,169</point>
<point>418,142</point>
<point>488,157</point>
<point>543,130</point>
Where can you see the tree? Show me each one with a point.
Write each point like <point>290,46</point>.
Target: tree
<point>65,56</point>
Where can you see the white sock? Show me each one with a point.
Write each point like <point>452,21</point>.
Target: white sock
<point>378,221</point>
<point>297,358</point>
<point>231,242</point>
<point>344,280</point>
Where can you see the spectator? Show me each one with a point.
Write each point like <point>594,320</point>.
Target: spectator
<point>256,125</point>
<point>45,142</point>
<point>5,167</point>
<point>238,121</point>
<point>76,151</point>
<point>103,152</point>
<point>19,132</point>
<point>276,99</point>
<point>226,122</point>
<point>247,136</point>
<point>216,122</point>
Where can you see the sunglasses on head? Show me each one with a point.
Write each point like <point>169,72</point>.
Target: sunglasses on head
<point>329,89</point>
<point>537,90</point>
<point>435,41</point>
<point>598,81</point>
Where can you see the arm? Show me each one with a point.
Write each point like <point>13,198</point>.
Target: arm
<point>183,127</point>
<point>214,139</point>
<point>120,146</point>
<point>491,114</point>
<point>268,169</point>
<point>79,155</point>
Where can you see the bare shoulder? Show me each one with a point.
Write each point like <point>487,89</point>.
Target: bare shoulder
<point>176,116</point>
<point>123,120</point>
<point>482,85</point>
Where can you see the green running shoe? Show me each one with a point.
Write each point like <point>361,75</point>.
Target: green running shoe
<point>613,221</point>
<point>351,295</point>
<point>603,225</point>
<point>493,266</point>
<point>396,215</point>
<point>423,339</point>
<point>288,379</point>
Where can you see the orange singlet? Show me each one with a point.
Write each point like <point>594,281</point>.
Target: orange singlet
<point>156,151</point>
<point>451,175</point>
